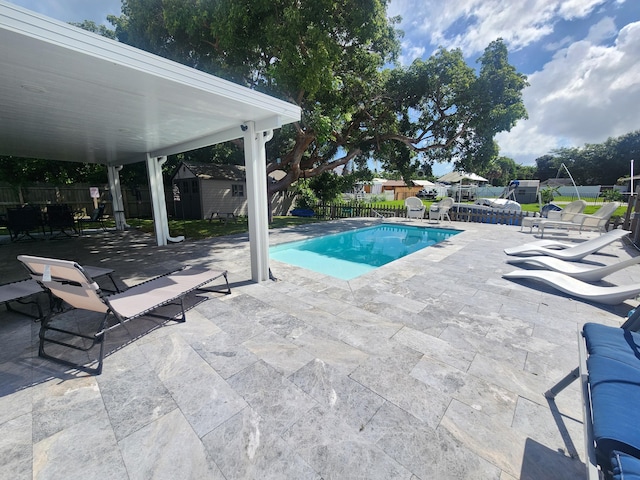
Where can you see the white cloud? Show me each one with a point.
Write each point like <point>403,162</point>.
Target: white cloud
<point>479,22</point>
<point>585,94</point>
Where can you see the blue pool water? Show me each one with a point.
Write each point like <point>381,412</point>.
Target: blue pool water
<point>350,254</point>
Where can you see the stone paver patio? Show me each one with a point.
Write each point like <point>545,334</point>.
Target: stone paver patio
<point>431,367</point>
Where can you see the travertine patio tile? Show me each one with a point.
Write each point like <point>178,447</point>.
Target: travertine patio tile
<point>336,392</point>
<point>174,451</point>
<point>16,448</point>
<point>493,400</point>
<point>280,353</point>
<point>428,452</point>
<point>244,447</point>
<point>85,450</point>
<point>278,401</point>
<point>340,456</point>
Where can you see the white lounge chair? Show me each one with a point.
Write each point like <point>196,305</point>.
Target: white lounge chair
<point>415,207</point>
<point>565,215</point>
<point>577,288</point>
<point>69,282</point>
<point>440,210</point>
<point>581,271</point>
<point>595,222</point>
<point>569,211</point>
<point>567,251</point>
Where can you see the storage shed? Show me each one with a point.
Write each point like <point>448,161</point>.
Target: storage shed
<point>526,191</point>
<point>201,190</point>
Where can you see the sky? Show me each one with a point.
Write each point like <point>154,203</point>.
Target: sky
<point>581,59</point>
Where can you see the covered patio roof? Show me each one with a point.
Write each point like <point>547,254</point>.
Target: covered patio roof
<point>68,94</point>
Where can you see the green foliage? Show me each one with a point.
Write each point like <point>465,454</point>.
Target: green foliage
<point>547,194</point>
<point>91,26</point>
<point>306,198</point>
<point>332,59</point>
<point>593,164</point>
<point>612,195</point>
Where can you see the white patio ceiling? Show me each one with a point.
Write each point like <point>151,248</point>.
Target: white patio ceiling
<point>67,94</point>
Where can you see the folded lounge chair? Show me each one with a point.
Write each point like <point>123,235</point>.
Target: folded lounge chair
<point>581,271</point>
<point>70,282</point>
<point>566,251</point>
<point>577,288</point>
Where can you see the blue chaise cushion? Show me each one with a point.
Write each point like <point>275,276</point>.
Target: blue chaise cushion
<point>625,467</point>
<point>615,343</point>
<point>615,397</point>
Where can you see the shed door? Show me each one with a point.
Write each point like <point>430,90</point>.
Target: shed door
<point>189,205</point>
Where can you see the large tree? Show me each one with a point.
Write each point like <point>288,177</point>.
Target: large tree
<point>593,164</point>
<point>335,60</point>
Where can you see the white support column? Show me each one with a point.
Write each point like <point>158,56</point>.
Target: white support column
<point>257,205</point>
<point>159,207</point>
<point>113,173</point>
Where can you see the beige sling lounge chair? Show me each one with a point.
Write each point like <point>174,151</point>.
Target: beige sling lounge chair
<point>24,292</point>
<point>69,282</point>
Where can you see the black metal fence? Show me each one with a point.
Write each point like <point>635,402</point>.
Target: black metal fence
<point>460,213</point>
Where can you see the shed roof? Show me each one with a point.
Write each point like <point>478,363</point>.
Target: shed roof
<point>211,171</point>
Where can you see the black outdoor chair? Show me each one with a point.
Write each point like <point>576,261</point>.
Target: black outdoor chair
<point>24,220</point>
<point>60,218</point>
<point>96,217</point>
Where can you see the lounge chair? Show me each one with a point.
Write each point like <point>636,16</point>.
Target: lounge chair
<point>581,271</point>
<point>97,216</point>
<point>24,291</point>
<point>415,207</point>
<point>565,215</point>
<point>568,212</point>
<point>566,251</point>
<point>577,288</point>
<point>440,210</point>
<point>69,282</point>
<point>597,221</point>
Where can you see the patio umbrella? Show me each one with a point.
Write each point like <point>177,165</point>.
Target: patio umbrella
<point>455,177</point>
<point>458,177</point>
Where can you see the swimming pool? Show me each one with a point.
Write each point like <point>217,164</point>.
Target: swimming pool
<point>350,254</point>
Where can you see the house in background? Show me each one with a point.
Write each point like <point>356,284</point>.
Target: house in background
<point>204,189</point>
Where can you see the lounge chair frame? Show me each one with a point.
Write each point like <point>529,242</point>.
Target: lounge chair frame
<point>68,281</point>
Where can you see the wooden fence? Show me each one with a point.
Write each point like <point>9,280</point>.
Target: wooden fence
<point>137,200</point>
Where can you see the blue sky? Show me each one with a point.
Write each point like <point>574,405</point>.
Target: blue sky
<point>582,59</point>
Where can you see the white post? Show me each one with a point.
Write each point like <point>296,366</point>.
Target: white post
<point>255,158</point>
<point>158,203</point>
<point>113,172</point>
<point>152,166</point>
<point>632,192</point>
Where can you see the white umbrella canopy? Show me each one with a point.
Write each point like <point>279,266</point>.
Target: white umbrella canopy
<point>455,177</point>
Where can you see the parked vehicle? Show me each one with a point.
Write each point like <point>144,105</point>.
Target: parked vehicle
<point>429,194</point>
